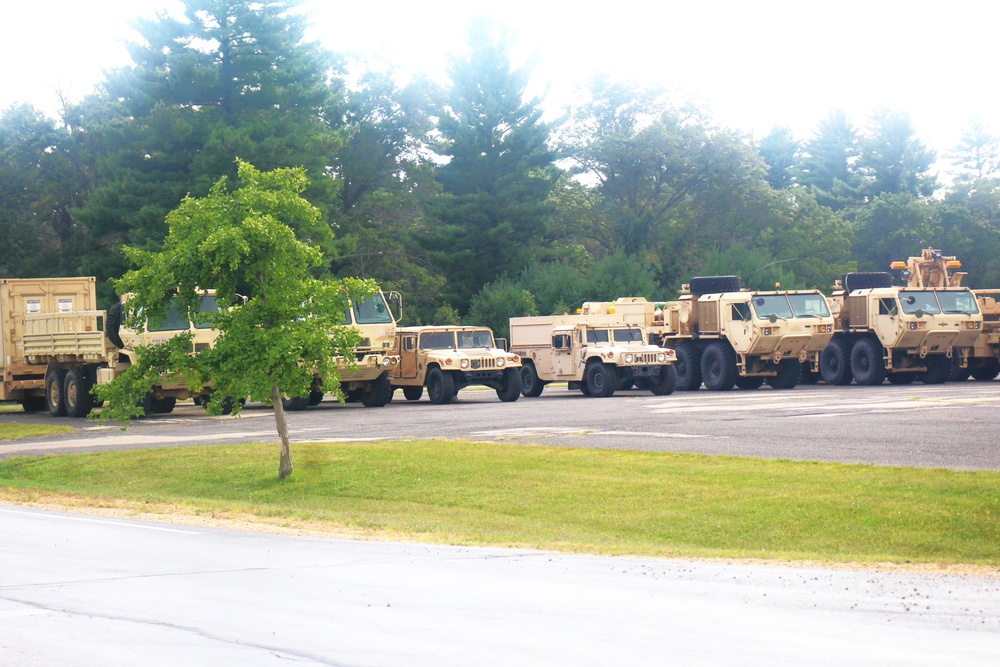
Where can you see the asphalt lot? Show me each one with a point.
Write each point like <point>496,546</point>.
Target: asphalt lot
<point>955,425</point>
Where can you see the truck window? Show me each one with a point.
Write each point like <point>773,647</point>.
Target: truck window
<point>597,335</point>
<point>208,306</point>
<point>774,304</point>
<point>478,338</point>
<point>809,305</point>
<point>628,335</point>
<point>174,321</point>
<point>372,310</point>
<point>560,342</point>
<point>741,311</point>
<point>923,300</point>
<point>955,303</point>
<point>887,306</point>
<point>437,340</point>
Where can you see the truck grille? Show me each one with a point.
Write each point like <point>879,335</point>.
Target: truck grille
<point>644,358</point>
<point>483,364</point>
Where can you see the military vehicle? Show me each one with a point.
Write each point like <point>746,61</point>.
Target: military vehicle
<point>595,353</point>
<point>446,359</point>
<point>903,333</point>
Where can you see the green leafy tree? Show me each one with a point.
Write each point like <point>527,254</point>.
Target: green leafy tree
<point>894,227</point>
<point>828,163</point>
<point>268,346</point>
<point>499,174</point>
<point>619,275</point>
<point>892,160</point>
<point>779,150</point>
<point>499,301</point>
<point>977,154</point>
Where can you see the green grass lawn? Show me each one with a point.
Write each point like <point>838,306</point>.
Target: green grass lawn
<point>11,431</point>
<point>597,501</point>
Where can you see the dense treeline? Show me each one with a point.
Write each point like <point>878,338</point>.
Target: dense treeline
<point>464,198</point>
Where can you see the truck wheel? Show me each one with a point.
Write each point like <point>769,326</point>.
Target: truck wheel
<point>76,393</point>
<point>510,385</point>
<point>295,403</point>
<point>601,380</point>
<point>718,366</point>
<point>55,399</point>
<point>531,384</point>
<point>789,371</point>
<point>315,397</point>
<point>902,377</point>
<point>113,324</point>
<point>938,368</point>
<point>986,371</point>
<point>835,363</point>
<point>688,366</point>
<point>413,393</point>
<point>33,403</point>
<point>714,284</point>
<point>749,382</point>
<point>380,394</point>
<point>164,406</point>
<point>866,363</point>
<point>668,381</point>
<point>440,386</point>
<point>809,376</point>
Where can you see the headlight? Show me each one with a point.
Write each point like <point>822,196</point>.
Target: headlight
<point>661,357</point>
<point>628,358</point>
<point>767,331</point>
<point>465,363</point>
<point>500,362</point>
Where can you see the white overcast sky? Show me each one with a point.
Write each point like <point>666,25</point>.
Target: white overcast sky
<point>754,64</point>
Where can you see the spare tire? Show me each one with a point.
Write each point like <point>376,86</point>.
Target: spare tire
<point>113,324</point>
<point>714,284</point>
<point>874,280</point>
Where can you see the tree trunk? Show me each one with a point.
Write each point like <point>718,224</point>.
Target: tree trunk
<point>285,466</point>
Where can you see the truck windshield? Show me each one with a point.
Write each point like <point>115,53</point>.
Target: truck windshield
<point>628,335</point>
<point>437,340</point>
<point>922,300</point>
<point>174,321</point>
<point>774,304</point>
<point>208,307</point>
<point>597,336</point>
<point>372,310</point>
<point>809,305</point>
<point>958,303</point>
<point>477,338</point>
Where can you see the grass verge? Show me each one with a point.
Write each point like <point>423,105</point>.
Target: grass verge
<point>596,501</point>
<point>12,431</point>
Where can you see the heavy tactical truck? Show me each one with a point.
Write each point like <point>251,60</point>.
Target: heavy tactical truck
<point>934,269</point>
<point>595,353</point>
<point>446,359</point>
<point>902,333</point>
<point>56,345</point>
<point>367,379</point>
<point>726,337</point>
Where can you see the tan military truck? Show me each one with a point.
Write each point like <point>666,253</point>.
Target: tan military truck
<point>983,360</point>
<point>366,377</point>
<point>595,353</point>
<point>897,332</point>
<point>726,337</point>
<point>56,345</point>
<point>446,359</point>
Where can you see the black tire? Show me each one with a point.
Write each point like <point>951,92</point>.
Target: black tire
<point>835,362</point>
<point>113,325</point>
<point>315,398</point>
<point>688,366</point>
<point>873,280</point>
<point>718,366</point>
<point>413,393</point>
<point>164,406</point>
<point>380,394</point>
<point>749,382</point>
<point>601,380</point>
<point>789,371</point>
<point>986,371</point>
<point>76,393</point>
<point>146,404</point>
<point>229,404</point>
<point>809,376</point>
<point>714,284</point>
<point>440,386</point>
<point>668,381</point>
<point>958,374</point>
<point>938,369</point>
<point>294,403</point>
<point>531,384</point>
<point>55,398</point>
<point>34,403</point>
<point>867,365</point>
<point>902,377</point>
<point>510,385</point>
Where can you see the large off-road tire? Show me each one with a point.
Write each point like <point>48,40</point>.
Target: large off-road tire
<point>440,386</point>
<point>958,374</point>
<point>986,371</point>
<point>718,366</point>
<point>667,381</point>
<point>938,369</point>
<point>510,385</point>
<point>380,394</point>
<point>714,284</point>
<point>315,398</point>
<point>413,393</point>
<point>55,397</point>
<point>749,382</point>
<point>902,377</point>
<point>33,404</point>
<point>601,380</point>
<point>809,376</point>
<point>531,384</point>
<point>113,324</point>
<point>294,403</point>
<point>688,366</point>
<point>164,406</point>
<point>872,280</point>
<point>835,362</point>
<point>76,393</point>
<point>867,366</point>
<point>789,371</point>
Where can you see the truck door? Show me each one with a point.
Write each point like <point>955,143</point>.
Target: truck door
<point>562,354</point>
<point>407,356</point>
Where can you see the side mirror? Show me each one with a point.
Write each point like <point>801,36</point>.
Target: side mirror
<point>501,343</point>
<point>396,299</point>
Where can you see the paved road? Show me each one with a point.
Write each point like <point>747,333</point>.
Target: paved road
<point>951,425</point>
<point>84,590</point>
